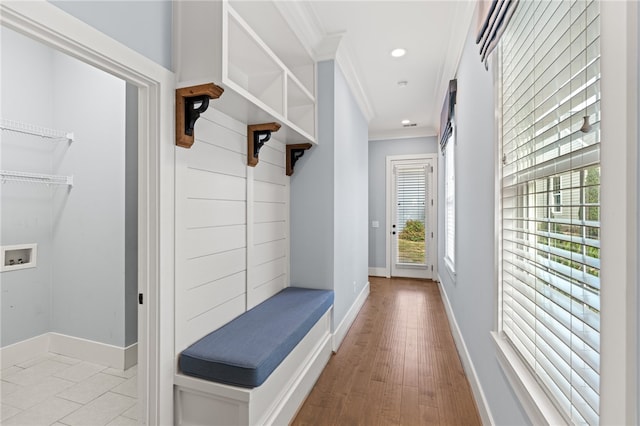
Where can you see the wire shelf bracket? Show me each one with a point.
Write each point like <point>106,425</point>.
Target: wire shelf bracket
<point>31,129</point>
<point>11,176</point>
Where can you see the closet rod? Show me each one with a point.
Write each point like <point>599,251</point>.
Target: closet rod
<point>31,129</point>
<point>11,176</point>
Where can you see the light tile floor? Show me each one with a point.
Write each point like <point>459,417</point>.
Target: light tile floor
<point>62,391</point>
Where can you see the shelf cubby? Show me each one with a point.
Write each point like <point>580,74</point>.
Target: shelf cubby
<point>301,106</point>
<point>252,53</point>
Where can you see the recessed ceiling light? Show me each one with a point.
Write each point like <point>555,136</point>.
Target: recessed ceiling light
<point>396,53</point>
<point>405,122</point>
<point>403,83</point>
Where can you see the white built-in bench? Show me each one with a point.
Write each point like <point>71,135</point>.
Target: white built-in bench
<point>259,368</point>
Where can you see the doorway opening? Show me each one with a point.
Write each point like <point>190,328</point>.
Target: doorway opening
<point>69,169</point>
<point>45,23</point>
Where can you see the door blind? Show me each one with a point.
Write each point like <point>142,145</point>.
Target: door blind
<point>550,79</point>
<point>411,190</point>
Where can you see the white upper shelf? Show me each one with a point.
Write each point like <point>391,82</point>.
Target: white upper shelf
<point>234,46</point>
<point>32,129</point>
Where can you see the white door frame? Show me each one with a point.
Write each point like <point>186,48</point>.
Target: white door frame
<point>434,207</point>
<point>51,26</point>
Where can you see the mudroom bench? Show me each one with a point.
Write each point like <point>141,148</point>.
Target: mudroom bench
<point>258,368</point>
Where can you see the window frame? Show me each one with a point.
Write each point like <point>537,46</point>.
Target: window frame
<point>450,262</point>
<point>619,223</point>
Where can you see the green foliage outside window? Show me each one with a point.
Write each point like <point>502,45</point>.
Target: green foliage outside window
<point>413,231</point>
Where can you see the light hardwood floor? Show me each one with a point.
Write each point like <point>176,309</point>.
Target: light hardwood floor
<point>397,365</point>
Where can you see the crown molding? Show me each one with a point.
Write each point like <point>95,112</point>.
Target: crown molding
<point>303,22</point>
<point>343,59</point>
<point>306,25</point>
<point>413,132</point>
<point>449,68</point>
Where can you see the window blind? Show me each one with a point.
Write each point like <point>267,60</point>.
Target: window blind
<point>550,79</point>
<point>411,190</point>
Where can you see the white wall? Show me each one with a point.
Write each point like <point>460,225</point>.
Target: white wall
<point>144,26</point>
<point>473,292</point>
<point>378,152</point>
<point>78,286</point>
<point>329,198</point>
<point>231,227</point>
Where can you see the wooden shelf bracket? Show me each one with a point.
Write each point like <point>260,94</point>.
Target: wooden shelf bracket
<point>294,152</point>
<point>190,103</point>
<point>257,136</point>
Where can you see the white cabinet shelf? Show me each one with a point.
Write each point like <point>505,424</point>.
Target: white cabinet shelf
<point>253,54</point>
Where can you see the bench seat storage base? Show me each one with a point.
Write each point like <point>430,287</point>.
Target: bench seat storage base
<point>203,402</point>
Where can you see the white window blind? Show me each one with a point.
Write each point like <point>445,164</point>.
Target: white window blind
<point>550,79</point>
<point>411,190</point>
<point>450,199</point>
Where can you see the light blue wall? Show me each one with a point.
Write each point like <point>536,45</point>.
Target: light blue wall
<point>329,197</point>
<point>131,217</point>
<point>144,26</point>
<point>378,152</point>
<point>88,279</point>
<point>473,292</point>
<point>351,198</point>
<point>77,287</point>
<point>312,199</point>
<point>26,208</point>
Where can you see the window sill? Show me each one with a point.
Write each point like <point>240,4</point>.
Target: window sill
<point>534,400</point>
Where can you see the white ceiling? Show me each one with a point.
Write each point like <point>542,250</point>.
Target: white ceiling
<point>433,33</point>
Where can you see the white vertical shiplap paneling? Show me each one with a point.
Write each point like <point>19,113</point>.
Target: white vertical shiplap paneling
<point>269,223</point>
<point>232,245</point>
<point>211,228</point>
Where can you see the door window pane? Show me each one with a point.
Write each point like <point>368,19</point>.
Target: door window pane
<point>410,214</point>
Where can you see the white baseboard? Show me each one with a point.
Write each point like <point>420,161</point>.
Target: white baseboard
<point>476,388</point>
<point>74,347</point>
<point>25,350</point>
<point>130,356</point>
<point>341,330</point>
<point>378,272</point>
<point>92,351</point>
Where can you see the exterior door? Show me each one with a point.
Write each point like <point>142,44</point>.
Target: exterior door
<point>412,218</point>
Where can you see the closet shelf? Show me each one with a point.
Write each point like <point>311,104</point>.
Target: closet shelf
<point>31,129</point>
<point>11,176</point>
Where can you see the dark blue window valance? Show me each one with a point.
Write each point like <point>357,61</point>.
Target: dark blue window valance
<point>446,117</point>
<point>493,18</point>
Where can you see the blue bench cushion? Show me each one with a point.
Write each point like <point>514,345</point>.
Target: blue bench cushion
<point>245,351</point>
